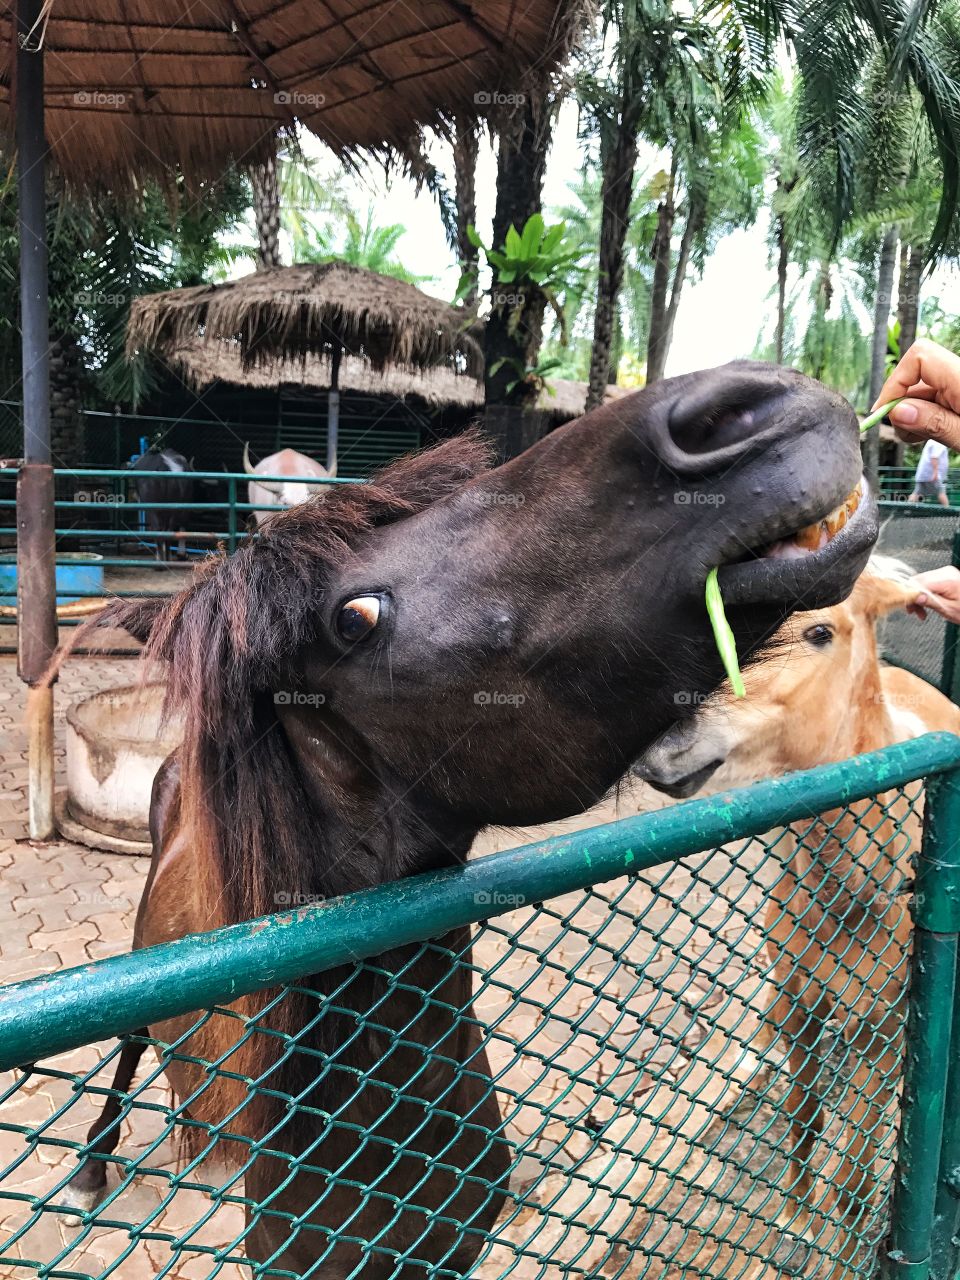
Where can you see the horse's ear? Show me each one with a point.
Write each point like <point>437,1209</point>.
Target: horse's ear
<point>884,586</point>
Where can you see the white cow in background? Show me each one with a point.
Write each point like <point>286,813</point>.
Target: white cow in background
<point>287,492</point>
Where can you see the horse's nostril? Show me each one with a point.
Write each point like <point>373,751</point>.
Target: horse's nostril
<point>706,427</point>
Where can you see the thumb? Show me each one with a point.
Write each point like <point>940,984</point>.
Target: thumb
<point>918,420</point>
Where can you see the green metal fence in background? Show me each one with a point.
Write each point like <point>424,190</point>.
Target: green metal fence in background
<point>897,483</point>
<point>675,1047</point>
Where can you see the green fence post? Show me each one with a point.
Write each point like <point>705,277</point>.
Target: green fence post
<point>232,514</point>
<point>917,1244</point>
<point>944,840</point>
<point>945,1245</point>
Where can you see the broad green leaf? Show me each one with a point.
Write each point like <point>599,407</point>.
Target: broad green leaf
<point>532,235</point>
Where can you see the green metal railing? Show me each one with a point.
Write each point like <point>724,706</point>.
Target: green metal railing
<point>674,1046</point>
<point>897,483</point>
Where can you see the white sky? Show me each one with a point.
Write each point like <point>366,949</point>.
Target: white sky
<point>720,316</point>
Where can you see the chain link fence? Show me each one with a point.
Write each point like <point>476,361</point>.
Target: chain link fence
<point>673,1047</point>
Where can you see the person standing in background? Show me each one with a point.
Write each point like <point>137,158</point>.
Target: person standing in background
<point>931,478</point>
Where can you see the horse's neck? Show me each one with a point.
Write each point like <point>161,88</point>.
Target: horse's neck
<point>371,829</point>
<point>870,844</point>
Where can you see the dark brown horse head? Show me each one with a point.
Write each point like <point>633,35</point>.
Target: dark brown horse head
<point>451,645</point>
<point>509,650</point>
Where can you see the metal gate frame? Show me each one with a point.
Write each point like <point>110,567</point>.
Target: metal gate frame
<point>55,1013</point>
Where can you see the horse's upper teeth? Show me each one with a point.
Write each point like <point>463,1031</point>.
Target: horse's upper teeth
<point>814,537</point>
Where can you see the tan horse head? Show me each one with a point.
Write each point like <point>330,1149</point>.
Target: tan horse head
<point>816,698</point>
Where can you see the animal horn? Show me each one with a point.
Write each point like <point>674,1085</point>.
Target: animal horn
<point>247,465</point>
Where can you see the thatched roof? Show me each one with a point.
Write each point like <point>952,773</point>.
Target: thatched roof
<point>148,85</point>
<point>203,363</point>
<point>569,398</point>
<point>292,313</point>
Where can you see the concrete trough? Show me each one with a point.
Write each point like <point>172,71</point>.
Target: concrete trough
<point>116,741</point>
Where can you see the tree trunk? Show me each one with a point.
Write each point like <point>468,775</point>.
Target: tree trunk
<point>70,385</point>
<point>466,147</point>
<point>266,211</point>
<point>693,225</point>
<point>824,297</point>
<point>886,267</point>
<point>902,286</point>
<point>660,252</point>
<point>782,263</point>
<point>618,163</point>
<point>616,351</point>
<point>909,300</point>
<point>524,143</point>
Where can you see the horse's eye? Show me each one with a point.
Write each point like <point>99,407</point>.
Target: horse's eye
<point>357,618</point>
<point>820,635</point>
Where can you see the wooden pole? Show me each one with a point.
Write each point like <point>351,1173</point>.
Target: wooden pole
<point>333,408</point>
<point>36,546</point>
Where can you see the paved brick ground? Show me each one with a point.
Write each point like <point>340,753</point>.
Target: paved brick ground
<point>676,1171</point>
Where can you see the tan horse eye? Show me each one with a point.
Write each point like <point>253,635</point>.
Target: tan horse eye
<point>357,618</point>
<point>819,635</point>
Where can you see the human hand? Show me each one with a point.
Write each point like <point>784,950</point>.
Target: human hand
<point>939,591</point>
<point>928,377</point>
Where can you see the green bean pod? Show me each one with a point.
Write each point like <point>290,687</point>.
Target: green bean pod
<point>878,415</point>
<point>723,634</point>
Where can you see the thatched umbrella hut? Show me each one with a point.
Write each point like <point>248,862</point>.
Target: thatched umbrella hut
<point>157,85</point>
<point>284,317</point>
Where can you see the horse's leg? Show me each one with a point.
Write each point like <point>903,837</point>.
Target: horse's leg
<point>869,1123</point>
<point>88,1183</point>
<point>86,1187</point>
<point>800,1027</point>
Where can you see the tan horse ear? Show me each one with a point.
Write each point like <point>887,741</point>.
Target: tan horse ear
<point>879,593</point>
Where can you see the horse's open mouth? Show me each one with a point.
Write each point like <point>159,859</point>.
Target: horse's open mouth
<point>812,568</point>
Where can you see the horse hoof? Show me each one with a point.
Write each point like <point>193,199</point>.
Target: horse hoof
<point>77,1201</point>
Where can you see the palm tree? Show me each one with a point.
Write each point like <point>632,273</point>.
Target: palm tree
<point>777,116</point>
<point>657,83</point>
<point>102,253</point>
<point>715,185</point>
<point>582,214</point>
<point>466,148</point>
<point>825,326</point>
<point>524,136</point>
<point>265,185</point>
<point>360,243</point>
